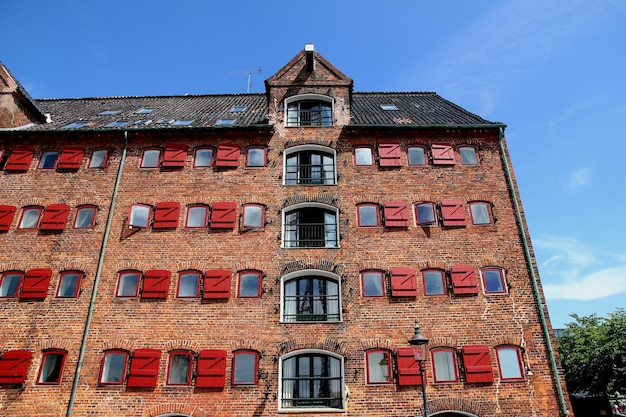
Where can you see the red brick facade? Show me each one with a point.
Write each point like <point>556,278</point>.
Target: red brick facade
<point>232,323</point>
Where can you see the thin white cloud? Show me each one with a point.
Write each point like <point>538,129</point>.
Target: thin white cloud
<point>573,270</point>
<point>579,178</point>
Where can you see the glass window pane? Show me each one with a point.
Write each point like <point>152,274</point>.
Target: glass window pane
<point>113,369</point>
<point>510,367</point>
<point>98,159</point>
<point>480,214</point>
<point>433,281</point>
<point>417,156</point>
<point>425,213</point>
<point>363,156</point>
<point>445,367</point>
<point>84,217</point>
<point>245,364</point>
<point>68,285</point>
<point>368,216</point>
<point>252,216</point>
<point>204,157</point>
<point>30,218</point>
<point>10,283</point>
<point>256,157</point>
<point>150,158</point>
<point>468,156</point>
<point>493,281</point>
<point>196,217</point>
<point>188,285</point>
<point>128,284</point>
<point>139,216</point>
<point>378,367</point>
<point>373,284</point>
<point>51,368</point>
<point>48,160</point>
<point>249,285</point>
<point>179,369</point>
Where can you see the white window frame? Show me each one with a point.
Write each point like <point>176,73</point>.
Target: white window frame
<point>309,205</point>
<point>309,97</point>
<point>309,272</point>
<point>305,148</point>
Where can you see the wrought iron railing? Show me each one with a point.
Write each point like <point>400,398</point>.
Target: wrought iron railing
<point>311,308</point>
<point>311,235</point>
<point>307,117</point>
<point>310,174</point>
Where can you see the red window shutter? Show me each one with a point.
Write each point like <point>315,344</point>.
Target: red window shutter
<point>223,215</point>
<point>156,284</point>
<point>453,213</point>
<point>463,279</point>
<point>217,283</point>
<point>175,155</point>
<point>19,160</point>
<point>396,214</point>
<point>13,366</point>
<point>443,154</point>
<point>144,368</point>
<point>211,369</point>
<point>403,282</point>
<point>477,364</point>
<point>166,215</point>
<point>71,158</point>
<point>55,217</point>
<point>228,156</point>
<point>36,283</point>
<point>390,155</point>
<point>6,217</point>
<point>408,368</point>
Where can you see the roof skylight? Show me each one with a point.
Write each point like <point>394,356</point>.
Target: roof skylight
<point>183,122</point>
<point>143,122</point>
<point>238,109</point>
<point>110,112</point>
<point>75,125</point>
<point>388,107</point>
<point>225,122</point>
<point>166,121</point>
<point>117,123</point>
<point>144,111</point>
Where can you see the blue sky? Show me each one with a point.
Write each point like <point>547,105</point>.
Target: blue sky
<point>552,70</point>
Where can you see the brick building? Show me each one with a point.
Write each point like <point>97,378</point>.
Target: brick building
<point>257,254</point>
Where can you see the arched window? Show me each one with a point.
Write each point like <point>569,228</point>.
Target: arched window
<point>378,367</point>
<point>434,282</point>
<point>51,369</point>
<point>113,369</point>
<point>10,282</point>
<point>310,165</point>
<point>510,363</point>
<point>310,225</point>
<point>48,160</point>
<point>85,217</point>
<point>493,280</point>
<point>179,367</point>
<point>69,284</point>
<point>445,367</point>
<point>309,110</point>
<point>312,380</point>
<point>245,367</point>
<point>469,156</point>
<point>368,215</point>
<point>425,214</point>
<point>311,296</point>
<point>481,212</point>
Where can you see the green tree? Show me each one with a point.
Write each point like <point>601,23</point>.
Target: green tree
<point>593,354</point>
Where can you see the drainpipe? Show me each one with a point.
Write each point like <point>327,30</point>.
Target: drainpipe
<point>92,303</point>
<point>533,277</point>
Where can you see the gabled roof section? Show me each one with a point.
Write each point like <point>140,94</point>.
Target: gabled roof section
<point>413,110</point>
<point>20,99</point>
<point>299,72</point>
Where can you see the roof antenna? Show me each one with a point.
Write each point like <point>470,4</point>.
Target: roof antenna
<point>249,72</point>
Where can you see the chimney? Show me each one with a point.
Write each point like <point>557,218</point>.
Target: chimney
<point>309,49</point>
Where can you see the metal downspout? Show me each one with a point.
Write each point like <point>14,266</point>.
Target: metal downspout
<point>107,231</point>
<point>533,277</point>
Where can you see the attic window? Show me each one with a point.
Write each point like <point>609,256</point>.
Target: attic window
<point>76,125</point>
<point>183,122</point>
<point>144,111</point>
<point>110,112</point>
<point>166,121</point>
<point>117,123</point>
<point>238,109</point>
<point>225,122</point>
<point>143,122</point>
<point>388,107</point>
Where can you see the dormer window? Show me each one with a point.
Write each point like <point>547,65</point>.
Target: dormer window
<point>309,110</point>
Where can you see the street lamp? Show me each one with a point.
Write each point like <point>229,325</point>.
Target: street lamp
<point>418,345</point>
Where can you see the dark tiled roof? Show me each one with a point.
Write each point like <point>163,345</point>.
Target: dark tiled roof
<point>414,109</point>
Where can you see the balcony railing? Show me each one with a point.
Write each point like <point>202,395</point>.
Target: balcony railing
<point>311,235</point>
<point>311,308</point>
<point>310,174</point>
<point>307,117</point>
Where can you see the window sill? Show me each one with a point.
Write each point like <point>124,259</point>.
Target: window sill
<point>310,410</point>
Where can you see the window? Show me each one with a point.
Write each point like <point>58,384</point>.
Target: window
<point>143,122</point>
<point>166,215</point>
<point>69,284</point>
<point>311,226</point>
<point>425,214</point>
<point>117,123</point>
<point>197,216</point>
<point>151,158</point>
<point>10,284</point>
<point>75,125</point>
<point>6,217</point>
<point>463,279</point>
<point>510,363</point>
<point>113,369</point>
<point>14,366</point>
<point>373,283</point>
<point>309,110</point>
<point>311,297</point>
<point>477,363</point>
<point>128,284</point>
<point>249,284</point>
<point>255,157</point>
<point>310,165</point>
<point>203,157</point>
<point>183,122</point>
<point>144,368</point>
<point>139,216</point>
<point>368,215</point>
<point>238,109</point>
<point>389,155</point>
<point>109,112</point>
<point>417,155</point>
<point>481,213</point>
<point>225,122</point>
<point>253,216</point>
<point>453,213</point>
<point>179,368</point>
<point>228,156</point>
<point>311,380</point>
<point>211,369</point>
<point>493,281</point>
<point>156,284</point>
<point>443,154</point>
<point>144,111</point>
<point>30,218</point>
<point>224,215</point>
<point>434,282</point>
<point>388,107</point>
<point>403,282</point>
<point>71,158</point>
<point>19,160</point>
<point>85,217</point>
<point>378,367</point>
<point>188,284</point>
<point>51,369</point>
<point>444,365</point>
<point>245,367</point>
<point>99,159</point>
<point>175,155</point>
<point>363,156</point>
<point>396,214</point>
<point>468,155</point>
